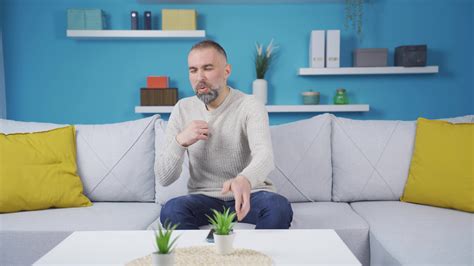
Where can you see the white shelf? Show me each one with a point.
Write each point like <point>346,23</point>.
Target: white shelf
<point>135,34</point>
<point>236,1</point>
<point>367,70</point>
<point>274,108</point>
<point>153,109</point>
<point>317,108</point>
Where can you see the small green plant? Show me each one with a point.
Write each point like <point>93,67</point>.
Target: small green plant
<point>263,59</point>
<point>222,221</point>
<point>163,237</point>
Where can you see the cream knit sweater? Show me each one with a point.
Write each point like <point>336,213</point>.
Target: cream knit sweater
<point>239,144</point>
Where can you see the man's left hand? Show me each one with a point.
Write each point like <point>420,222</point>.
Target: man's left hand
<point>240,186</point>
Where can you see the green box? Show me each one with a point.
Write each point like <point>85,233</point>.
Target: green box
<point>85,19</point>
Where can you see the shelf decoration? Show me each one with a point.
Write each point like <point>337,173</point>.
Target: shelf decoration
<point>263,59</point>
<point>354,16</point>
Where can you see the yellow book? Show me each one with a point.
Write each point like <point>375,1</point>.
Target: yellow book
<point>178,19</point>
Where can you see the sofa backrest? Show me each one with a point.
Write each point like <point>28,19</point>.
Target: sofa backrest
<point>115,161</point>
<point>323,158</point>
<point>302,156</point>
<point>328,158</point>
<point>371,158</point>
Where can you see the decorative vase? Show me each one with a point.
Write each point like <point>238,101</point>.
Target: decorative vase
<point>341,97</point>
<point>259,89</point>
<point>224,243</point>
<point>162,259</point>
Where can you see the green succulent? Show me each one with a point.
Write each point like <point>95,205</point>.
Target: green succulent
<point>222,222</point>
<point>163,237</point>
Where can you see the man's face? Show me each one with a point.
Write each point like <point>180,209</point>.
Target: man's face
<point>208,73</point>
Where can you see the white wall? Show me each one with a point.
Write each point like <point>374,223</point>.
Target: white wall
<point>3,100</point>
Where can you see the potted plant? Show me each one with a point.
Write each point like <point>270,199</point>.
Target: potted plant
<point>164,246</point>
<point>263,59</point>
<point>222,222</point>
<point>354,13</point>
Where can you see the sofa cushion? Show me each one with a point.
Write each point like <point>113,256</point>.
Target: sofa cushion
<point>410,234</point>
<point>460,119</point>
<point>115,161</point>
<point>301,151</point>
<point>441,170</point>
<point>350,227</point>
<point>100,216</point>
<point>302,156</point>
<point>371,158</point>
<point>39,171</point>
<point>12,126</point>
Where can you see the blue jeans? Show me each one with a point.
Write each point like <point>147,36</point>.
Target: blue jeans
<point>268,210</point>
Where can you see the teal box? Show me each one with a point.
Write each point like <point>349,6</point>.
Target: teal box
<point>85,19</point>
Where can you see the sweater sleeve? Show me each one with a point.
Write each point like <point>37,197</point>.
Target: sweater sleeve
<point>259,139</point>
<point>169,161</point>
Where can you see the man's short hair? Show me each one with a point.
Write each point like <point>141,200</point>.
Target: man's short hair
<point>210,44</point>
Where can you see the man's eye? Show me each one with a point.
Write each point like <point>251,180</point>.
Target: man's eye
<point>192,71</point>
<point>208,68</point>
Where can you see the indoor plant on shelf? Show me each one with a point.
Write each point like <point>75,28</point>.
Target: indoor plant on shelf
<point>353,15</point>
<point>222,222</point>
<point>164,246</point>
<point>263,59</point>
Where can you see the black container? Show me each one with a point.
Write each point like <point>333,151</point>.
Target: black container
<point>147,23</point>
<point>411,55</point>
<point>134,20</point>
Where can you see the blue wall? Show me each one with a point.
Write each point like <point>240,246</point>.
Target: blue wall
<point>56,79</point>
<point>3,100</point>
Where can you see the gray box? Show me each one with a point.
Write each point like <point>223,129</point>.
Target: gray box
<point>370,57</point>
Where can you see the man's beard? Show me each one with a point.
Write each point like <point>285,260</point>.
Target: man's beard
<point>208,97</point>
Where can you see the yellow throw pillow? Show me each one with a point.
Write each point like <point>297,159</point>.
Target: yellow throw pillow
<point>442,167</point>
<point>38,171</point>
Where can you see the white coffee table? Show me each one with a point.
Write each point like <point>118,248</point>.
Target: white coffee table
<point>305,246</point>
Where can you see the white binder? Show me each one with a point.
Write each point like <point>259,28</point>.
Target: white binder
<point>333,48</point>
<point>317,51</point>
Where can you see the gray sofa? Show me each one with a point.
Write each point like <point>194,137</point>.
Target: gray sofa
<point>340,174</point>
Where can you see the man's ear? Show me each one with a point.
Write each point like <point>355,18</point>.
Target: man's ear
<point>228,70</point>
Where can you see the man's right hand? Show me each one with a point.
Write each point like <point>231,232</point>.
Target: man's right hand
<point>196,130</point>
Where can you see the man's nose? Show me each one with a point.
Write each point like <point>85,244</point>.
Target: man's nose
<point>200,75</point>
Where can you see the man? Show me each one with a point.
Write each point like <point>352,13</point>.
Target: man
<point>227,137</point>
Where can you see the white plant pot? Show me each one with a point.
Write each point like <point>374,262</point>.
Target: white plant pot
<point>224,243</point>
<point>259,89</point>
<point>162,259</point>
